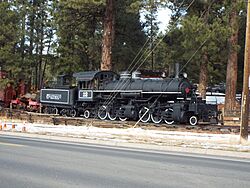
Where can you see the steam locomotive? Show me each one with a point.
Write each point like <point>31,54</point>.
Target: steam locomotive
<point>137,96</point>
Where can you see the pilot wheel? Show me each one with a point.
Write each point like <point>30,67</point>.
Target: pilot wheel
<point>86,114</point>
<point>193,120</point>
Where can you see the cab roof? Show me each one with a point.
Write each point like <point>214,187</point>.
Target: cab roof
<point>90,75</point>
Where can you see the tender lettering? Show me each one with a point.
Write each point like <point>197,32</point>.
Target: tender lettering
<point>54,96</point>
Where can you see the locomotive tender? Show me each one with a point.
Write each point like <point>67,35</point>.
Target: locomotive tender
<point>107,95</point>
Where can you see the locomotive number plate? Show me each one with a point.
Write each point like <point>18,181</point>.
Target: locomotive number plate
<point>85,94</point>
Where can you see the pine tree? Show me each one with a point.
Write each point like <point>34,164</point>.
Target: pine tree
<point>9,36</point>
<point>201,27</point>
<point>129,36</point>
<point>151,26</point>
<point>149,10</point>
<point>79,35</point>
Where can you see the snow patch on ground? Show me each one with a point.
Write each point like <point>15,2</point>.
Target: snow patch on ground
<point>135,135</point>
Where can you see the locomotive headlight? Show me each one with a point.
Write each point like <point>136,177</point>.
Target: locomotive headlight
<point>185,75</point>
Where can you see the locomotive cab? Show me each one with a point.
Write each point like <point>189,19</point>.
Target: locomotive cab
<point>89,83</point>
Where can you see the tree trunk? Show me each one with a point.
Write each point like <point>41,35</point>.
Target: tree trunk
<point>22,44</point>
<point>40,58</point>
<point>204,63</point>
<point>36,65</point>
<point>41,43</point>
<point>32,25</point>
<point>203,76</point>
<point>231,78</point>
<point>46,61</point>
<point>108,35</point>
<point>31,46</point>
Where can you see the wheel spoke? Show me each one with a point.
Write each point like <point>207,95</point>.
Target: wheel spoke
<point>156,116</point>
<point>102,112</point>
<point>123,118</point>
<point>54,111</point>
<point>46,110</point>
<point>169,116</point>
<point>73,113</point>
<point>144,115</point>
<point>63,112</point>
<point>112,115</point>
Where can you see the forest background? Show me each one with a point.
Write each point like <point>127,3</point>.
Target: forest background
<point>40,39</point>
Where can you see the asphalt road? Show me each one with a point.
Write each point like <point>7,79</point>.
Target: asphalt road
<point>32,163</point>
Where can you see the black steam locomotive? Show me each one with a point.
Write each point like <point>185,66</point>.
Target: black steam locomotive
<point>137,96</point>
